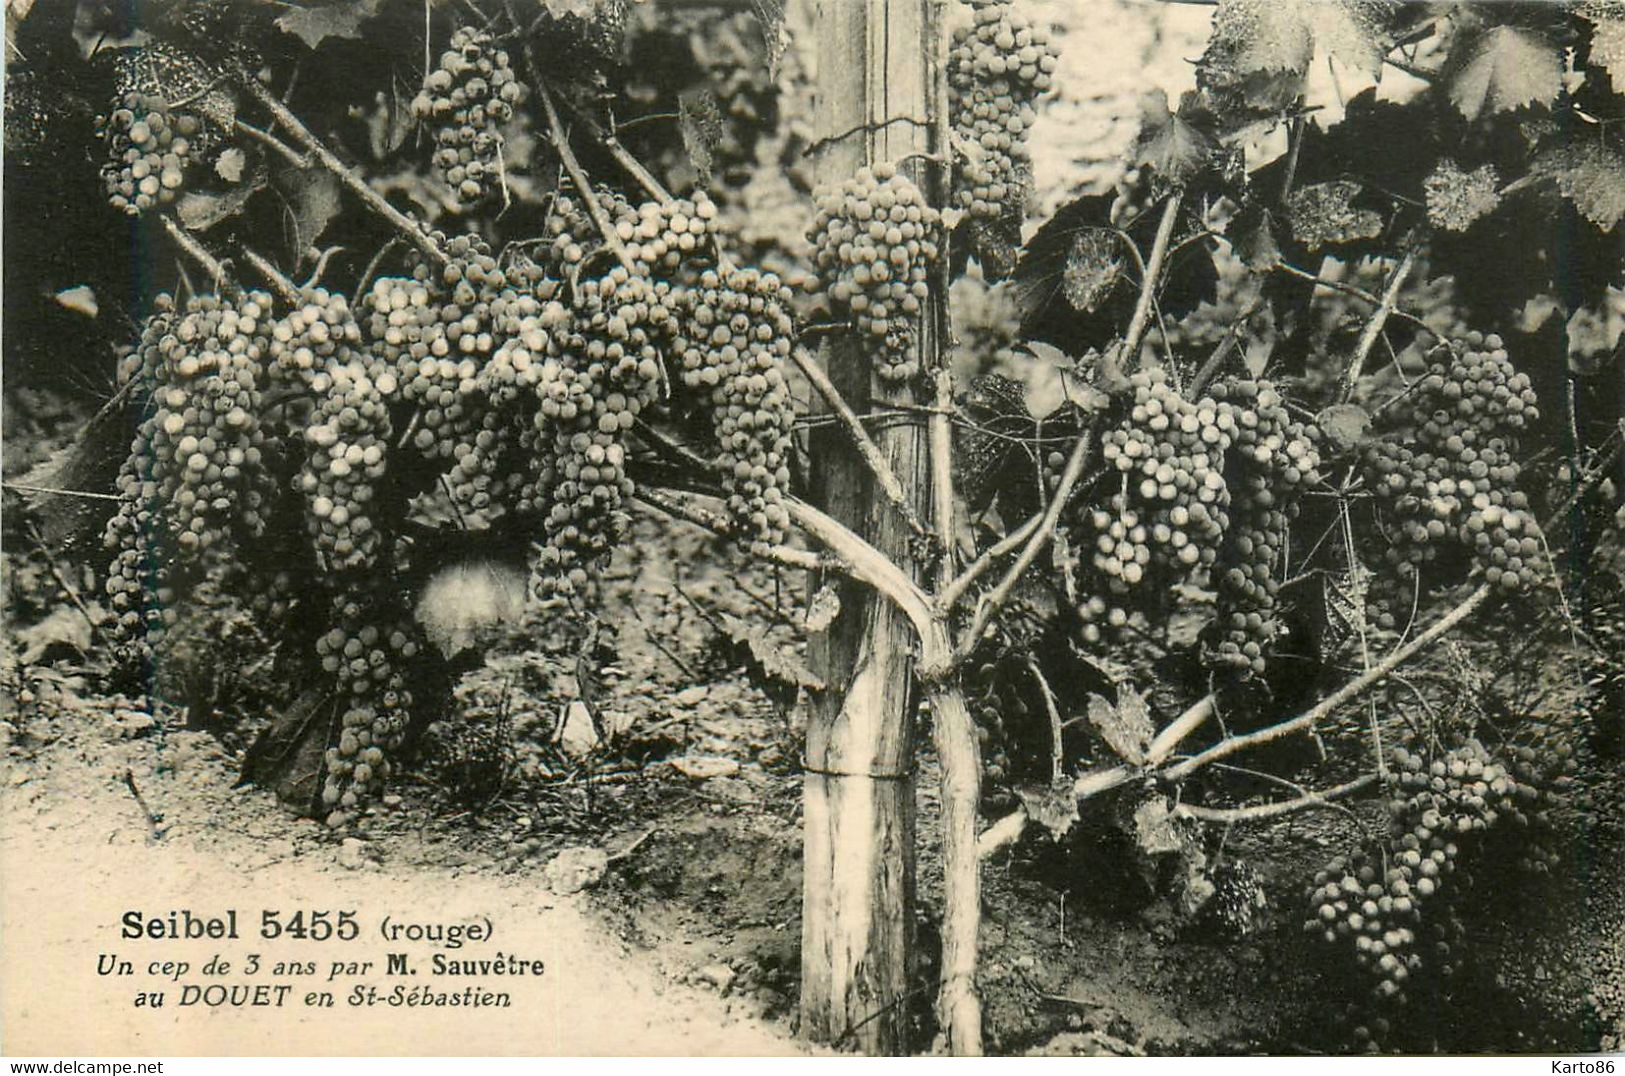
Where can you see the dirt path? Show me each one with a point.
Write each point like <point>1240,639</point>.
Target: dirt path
<point>76,855</point>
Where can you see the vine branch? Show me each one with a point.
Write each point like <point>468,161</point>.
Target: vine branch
<point>200,254</point>
<point>346,175</point>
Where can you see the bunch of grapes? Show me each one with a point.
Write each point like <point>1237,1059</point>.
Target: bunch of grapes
<point>1395,907</point>
<point>149,148</point>
<point>1163,526</point>
<point>1272,458</point>
<point>366,651</point>
<point>308,337</point>
<point>877,239</point>
<point>158,125</point>
<point>610,369</point>
<point>1447,476</point>
<point>997,68</point>
<point>572,235</point>
<point>467,99</point>
<point>347,446</point>
<point>733,334</point>
<point>662,236</point>
<point>195,482</point>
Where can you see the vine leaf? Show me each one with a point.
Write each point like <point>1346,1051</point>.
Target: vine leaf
<point>1254,236</point>
<point>315,23</point>
<point>1456,199</point>
<point>767,659</point>
<point>1169,143</point>
<point>313,203</point>
<point>1324,214</point>
<point>1284,35</point>
<point>1607,18</point>
<point>1592,176</point>
<point>700,121</point>
<point>198,211</point>
<point>1055,807</point>
<point>1094,265</point>
<point>1507,68</point>
<point>1126,727</point>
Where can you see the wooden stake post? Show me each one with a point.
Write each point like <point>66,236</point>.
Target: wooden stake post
<point>877,67</point>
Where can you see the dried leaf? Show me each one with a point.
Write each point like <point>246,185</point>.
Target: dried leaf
<point>1591,175</point>
<point>315,23</point>
<point>1345,425</point>
<point>80,299</point>
<point>700,121</point>
<point>769,659</point>
<point>1507,67</point>
<point>1155,831</point>
<point>1324,214</point>
<point>66,626</point>
<point>1126,727</point>
<point>823,609</point>
<point>1055,807</point>
<point>229,165</point>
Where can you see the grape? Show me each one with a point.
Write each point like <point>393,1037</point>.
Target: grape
<point>366,650</point>
<point>733,335</point>
<point>997,68</point>
<point>195,482</point>
<point>877,239</point>
<point>150,147</point>
<point>1395,907</point>
<point>1446,477</point>
<point>466,100</point>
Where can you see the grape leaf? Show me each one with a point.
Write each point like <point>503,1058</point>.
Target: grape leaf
<point>1093,267</point>
<point>1126,727</point>
<point>199,211</point>
<point>700,121</point>
<point>1591,175</point>
<point>315,23</point>
<point>1456,199</point>
<point>1171,145</point>
<point>1055,807</point>
<point>1253,234</point>
<point>1284,35</point>
<point>312,196</point>
<point>1607,19</point>
<point>1507,68</point>
<point>1323,214</point>
<point>1155,831</point>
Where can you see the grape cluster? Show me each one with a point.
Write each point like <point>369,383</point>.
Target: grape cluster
<point>1437,809</point>
<point>1164,524</point>
<point>662,236</point>
<point>467,99</point>
<point>347,446</point>
<point>149,147</point>
<point>1271,460</point>
<point>877,239</point>
<point>366,650</point>
<point>997,68</point>
<point>610,370</point>
<point>308,337</point>
<point>195,481</point>
<point>733,333</point>
<point>1447,477</point>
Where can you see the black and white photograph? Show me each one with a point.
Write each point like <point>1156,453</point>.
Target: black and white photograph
<point>784,528</point>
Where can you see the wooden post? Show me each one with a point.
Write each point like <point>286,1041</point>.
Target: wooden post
<point>877,85</point>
